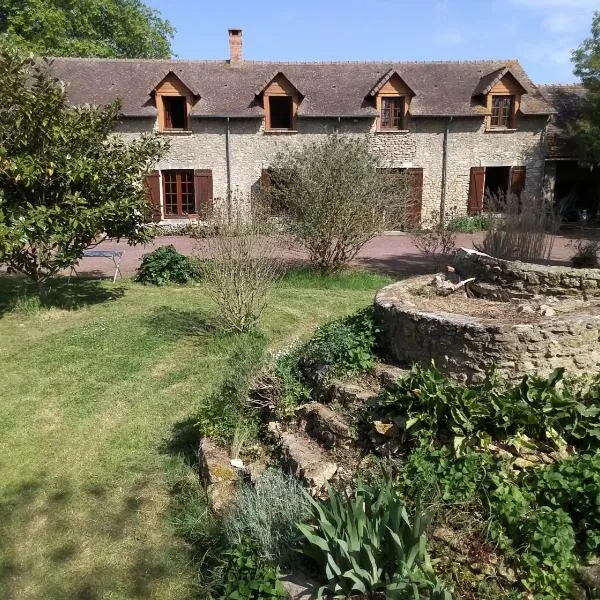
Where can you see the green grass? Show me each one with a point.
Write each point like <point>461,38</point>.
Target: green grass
<point>97,397</point>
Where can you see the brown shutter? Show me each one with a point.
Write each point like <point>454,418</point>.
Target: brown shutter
<point>265,178</point>
<point>476,186</point>
<point>152,182</point>
<point>415,191</point>
<point>203,189</point>
<point>517,180</point>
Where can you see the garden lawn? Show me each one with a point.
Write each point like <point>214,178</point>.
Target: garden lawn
<point>96,399</point>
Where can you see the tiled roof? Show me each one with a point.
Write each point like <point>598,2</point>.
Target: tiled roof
<point>329,89</point>
<point>567,101</point>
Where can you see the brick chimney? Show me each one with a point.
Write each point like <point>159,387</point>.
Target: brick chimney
<point>235,45</point>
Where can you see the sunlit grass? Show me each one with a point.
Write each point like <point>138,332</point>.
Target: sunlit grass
<point>96,390</point>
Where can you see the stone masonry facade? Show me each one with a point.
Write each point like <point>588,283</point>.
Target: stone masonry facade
<point>252,149</point>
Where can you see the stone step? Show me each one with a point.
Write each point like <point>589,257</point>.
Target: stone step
<point>324,425</point>
<point>350,394</point>
<point>387,374</point>
<point>302,456</point>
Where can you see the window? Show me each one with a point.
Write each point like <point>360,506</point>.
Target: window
<point>502,111</point>
<point>392,112</point>
<point>280,112</point>
<point>178,192</point>
<point>175,112</point>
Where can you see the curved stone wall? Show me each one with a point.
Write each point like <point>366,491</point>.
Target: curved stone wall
<point>525,279</point>
<point>466,347</point>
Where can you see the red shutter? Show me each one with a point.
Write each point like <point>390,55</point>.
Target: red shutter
<point>476,186</point>
<point>415,191</point>
<point>203,189</point>
<point>152,182</point>
<point>517,180</point>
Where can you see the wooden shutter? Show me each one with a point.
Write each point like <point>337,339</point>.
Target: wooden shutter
<point>265,178</point>
<point>203,189</point>
<point>476,188</point>
<point>152,182</point>
<point>517,180</point>
<point>415,191</point>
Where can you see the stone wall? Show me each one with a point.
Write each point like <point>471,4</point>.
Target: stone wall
<point>466,347</point>
<point>253,149</point>
<point>520,279</point>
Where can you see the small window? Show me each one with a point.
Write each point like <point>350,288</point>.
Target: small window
<point>502,111</point>
<point>280,112</point>
<point>392,113</point>
<point>175,111</point>
<point>179,194</point>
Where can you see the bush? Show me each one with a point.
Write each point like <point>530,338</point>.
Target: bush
<point>240,271</point>
<point>267,513</point>
<point>367,544</point>
<point>165,265</point>
<point>466,224</point>
<point>586,254</point>
<point>249,577</point>
<point>331,197</point>
<point>519,228</point>
<point>340,348</point>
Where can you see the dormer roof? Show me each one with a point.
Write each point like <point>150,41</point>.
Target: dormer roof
<point>386,77</point>
<point>277,75</point>
<point>487,82</point>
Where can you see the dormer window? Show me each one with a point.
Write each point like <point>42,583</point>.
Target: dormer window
<point>280,100</point>
<point>175,112</point>
<point>392,98</point>
<point>174,101</point>
<point>392,113</point>
<point>281,112</point>
<point>502,112</point>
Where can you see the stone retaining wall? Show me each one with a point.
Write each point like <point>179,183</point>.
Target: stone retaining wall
<point>525,279</point>
<point>465,347</point>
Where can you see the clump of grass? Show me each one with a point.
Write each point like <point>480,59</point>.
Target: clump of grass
<point>347,279</point>
<point>267,513</point>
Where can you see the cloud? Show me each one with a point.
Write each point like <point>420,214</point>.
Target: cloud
<point>450,38</point>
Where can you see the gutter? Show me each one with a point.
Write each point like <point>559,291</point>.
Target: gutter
<point>444,172</point>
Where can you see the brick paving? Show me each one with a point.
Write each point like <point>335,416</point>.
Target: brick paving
<point>394,254</point>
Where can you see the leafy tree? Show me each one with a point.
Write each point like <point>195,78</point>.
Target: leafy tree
<point>65,180</point>
<point>332,199</point>
<point>586,129</point>
<point>102,28</point>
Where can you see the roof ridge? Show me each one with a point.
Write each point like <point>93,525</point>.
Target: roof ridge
<point>560,85</point>
<point>280,62</point>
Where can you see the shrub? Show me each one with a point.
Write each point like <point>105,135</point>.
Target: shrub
<point>367,544</point>
<point>267,513</point>
<point>340,348</point>
<point>586,254</point>
<point>437,243</point>
<point>519,227</point>
<point>240,272</point>
<point>249,577</point>
<point>165,265</point>
<point>573,485</point>
<point>331,197</point>
<point>466,224</point>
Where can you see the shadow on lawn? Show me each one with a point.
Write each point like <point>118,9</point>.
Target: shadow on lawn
<point>17,292</point>
<point>174,323</point>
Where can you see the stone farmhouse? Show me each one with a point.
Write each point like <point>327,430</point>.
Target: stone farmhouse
<point>457,128</point>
